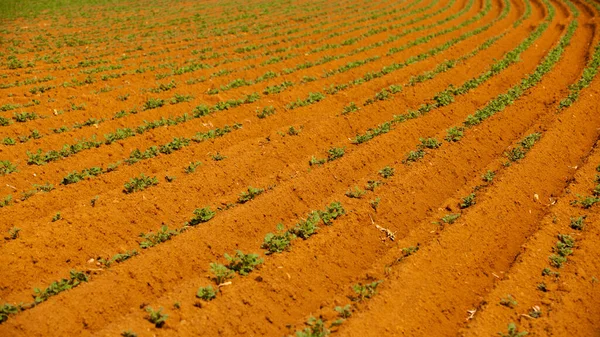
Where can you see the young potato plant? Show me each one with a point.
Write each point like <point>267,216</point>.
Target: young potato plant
<point>192,167</point>
<point>27,194</point>
<point>488,176</point>
<point>265,112</point>
<point>413,156</point>
<point>250,194</point>
<point>207,293</point>
<point>6,167</point>
<point>564,247</point>
<point>372,185</point>
<point>305,228</point>
<point>8,309</point>
<point>156,317</point>
<point>578,223</point>
<point>277,242</point>
<point>429,143</point>
<point>75,279</point>
<point>454,134</point>
<point>468,201</point>
<point>9,141</point>
<point>153,103</point>
<point>47,187</point>
<point>13,233</point>
<point>56,217</point>
<point>508,301</point>
<point>332,212</point>
<point>372,133</point>
<point>335,153</point>
<point>557,260</point>
<point>315,328</point>
<point>140,183</point>
<point>314,161</point>
<point>365,291</point>
<point>585,202</point>
<point>311,99</point>
<point>345,311</point>
<point>293,131</point>
<point>549,272</point>
<point>201,215</point>
<point>242,263</point>
<point>6,201</point>
<point>352,107</point>
<point>356,193</point>
<point>513,332</point>
<point>153,239</point>
<point>386,172</point>
<point>375,203</point>
<point>118,258</point>
<point>308,227</point>
<point>450,218</point>
<point>75,177</point>
<point>221,272</point>
<point>408,251</point>
<point>218,157</point>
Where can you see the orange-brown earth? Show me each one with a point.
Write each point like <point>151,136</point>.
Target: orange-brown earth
<point>501,264</point>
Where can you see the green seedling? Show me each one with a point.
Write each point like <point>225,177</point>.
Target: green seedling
<point>356,193</point>
<point>279,242</point>
<point>488,176</point>
<point>413,156</point>
<point>316,161</point>
<point>306,228</point>
<point>429,143</point>
<point>557,260</point>
<point>118,258</point>
<point>365,291</point>
<point>578,223</point>
<point>335,153</point>
<point>242,263</point>
<point>250,194</point>
<point>450,218</point>
<point>454,134</point>
<point>152,239</point>
<point>13,233</point>
<point>75,279</point>
<point>207,293</point>
<point>156,317</point>
<point>508,301</point>
<point>372,184</point>
<point>315,328</point>
<point>6,167</point>
<point>468,201</point>
<point>191,168</point>
<point>513,332</point>
<point>139,183</point>
<point>8,309</point>
<point>386,172</point>
<point>352,107</point>
<point>375,203</point>
<point>221,272</point>
<point>345,311</point>
<point>265,112</point>
<point>332,212</point>
<point>201,215</point>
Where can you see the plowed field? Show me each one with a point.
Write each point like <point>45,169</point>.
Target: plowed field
<point>304,168</point>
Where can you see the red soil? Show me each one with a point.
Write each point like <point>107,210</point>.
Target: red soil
<point>497,247</point>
